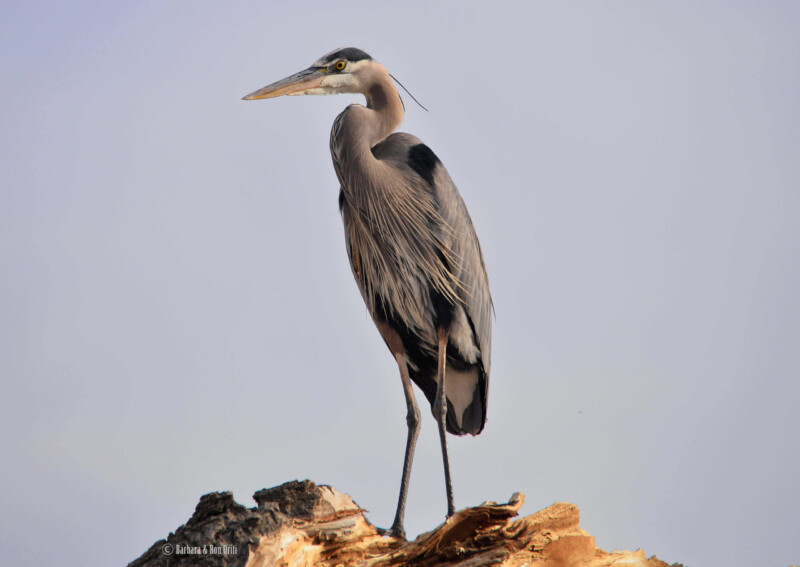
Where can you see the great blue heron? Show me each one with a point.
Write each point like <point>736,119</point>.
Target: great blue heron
<point>413,251</point>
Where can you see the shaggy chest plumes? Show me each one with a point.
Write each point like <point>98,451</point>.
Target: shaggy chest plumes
<point>396,239</point>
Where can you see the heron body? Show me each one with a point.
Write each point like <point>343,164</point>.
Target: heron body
<point>413,250</point>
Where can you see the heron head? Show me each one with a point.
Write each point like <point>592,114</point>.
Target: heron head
<point>344,70</point>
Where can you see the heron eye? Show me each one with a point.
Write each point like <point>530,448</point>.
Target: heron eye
<point>340,65</point>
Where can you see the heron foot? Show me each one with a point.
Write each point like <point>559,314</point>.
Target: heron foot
<point>395,531</point>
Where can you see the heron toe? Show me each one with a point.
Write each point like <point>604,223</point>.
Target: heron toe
<point>394,531</point>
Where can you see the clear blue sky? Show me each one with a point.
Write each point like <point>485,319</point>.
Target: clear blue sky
<point>177,315</point>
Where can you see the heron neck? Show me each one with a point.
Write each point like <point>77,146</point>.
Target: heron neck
<point>359,128</point>
<point>385,105</point>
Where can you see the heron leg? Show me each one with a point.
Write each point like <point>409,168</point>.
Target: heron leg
<point>440,413</point>
<point>413,421</point>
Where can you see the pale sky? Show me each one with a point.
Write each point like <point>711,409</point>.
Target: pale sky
<point>177,315</point>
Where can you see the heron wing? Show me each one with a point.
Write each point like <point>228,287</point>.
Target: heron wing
<point>413,249</point>
<point>461,251</point>
<point>468,266</point>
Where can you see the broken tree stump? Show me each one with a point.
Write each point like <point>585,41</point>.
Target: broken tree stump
<point>302,524</point>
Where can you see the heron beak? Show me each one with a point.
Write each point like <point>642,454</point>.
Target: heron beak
<point>296,84</point>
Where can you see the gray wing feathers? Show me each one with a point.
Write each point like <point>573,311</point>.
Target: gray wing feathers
<point>457,238</point>
<point>468,265</point>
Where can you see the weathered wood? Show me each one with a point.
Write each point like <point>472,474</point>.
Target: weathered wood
<point>301,524</point>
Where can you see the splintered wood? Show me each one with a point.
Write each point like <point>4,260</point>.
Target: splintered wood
<point>336,534</point>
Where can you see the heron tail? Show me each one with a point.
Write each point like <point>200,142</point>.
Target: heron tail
<point>466,400</point>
